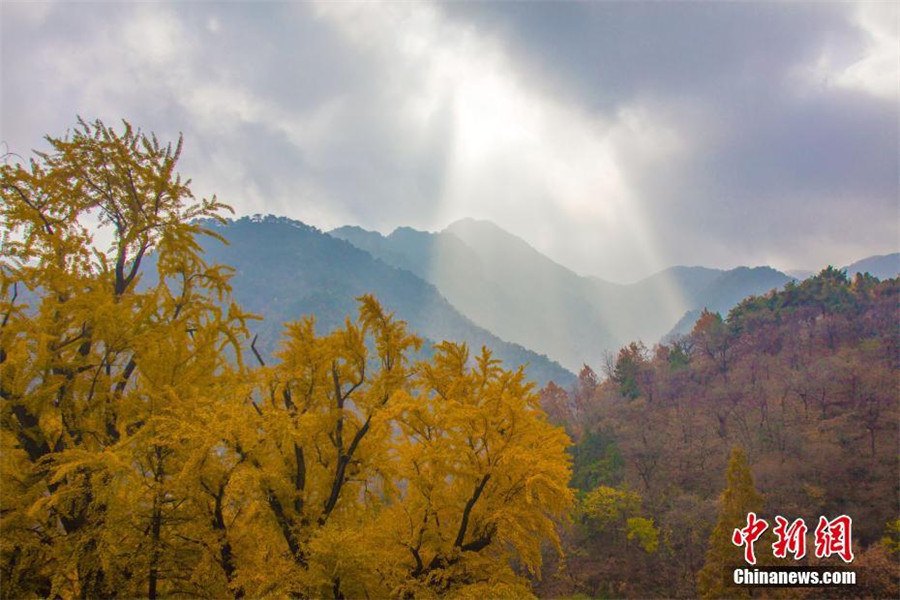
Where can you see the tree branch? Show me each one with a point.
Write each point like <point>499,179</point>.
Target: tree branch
<point>467,511</point>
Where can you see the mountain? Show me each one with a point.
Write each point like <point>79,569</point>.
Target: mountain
<point>285,269</point>
<point>501,283</point>
<point>727,291</point>
<point>505,285</point>
<point>883,267</point>
<point>647,309</point>
<point>800,274</point>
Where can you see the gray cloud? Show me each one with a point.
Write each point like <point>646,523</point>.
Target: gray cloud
<point>617,137</point>
<point>611,53</point>
<point>783,157</point>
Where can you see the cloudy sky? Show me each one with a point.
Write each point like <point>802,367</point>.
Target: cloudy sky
<point>618,138</point>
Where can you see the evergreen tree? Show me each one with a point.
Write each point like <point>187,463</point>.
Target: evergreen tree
<point>739,498</point>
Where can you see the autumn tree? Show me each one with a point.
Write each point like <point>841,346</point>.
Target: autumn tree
<point>378,477</point>
<point>487,478</point>
<point>556,403</point>
<point>98,378</point>
<point>584,388</point>
<point>629,367</point>
<point>315,459</point>
<point>739,498</point>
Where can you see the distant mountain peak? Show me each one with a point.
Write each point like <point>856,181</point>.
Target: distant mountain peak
<point>277,220</point>
<point>471,220</point>
<point>355,228</point>
<point>882,266</point>
<point>405,231</point>
<point>480,225</point>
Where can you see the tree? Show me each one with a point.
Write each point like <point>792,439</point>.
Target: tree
<point>487,478</point>
<point>711,340</point>
<point>618,511</point>
<point>362,474</point>
<point>584,388</point>
<point>93,371</point>
<point>596,460</point>
<point>556,403</point>
<point>319,458</point>
<point>739,498</point>
<point>630,362</point>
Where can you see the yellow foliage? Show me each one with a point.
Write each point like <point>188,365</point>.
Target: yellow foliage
<point>646,534</point>
<point>142,457</point>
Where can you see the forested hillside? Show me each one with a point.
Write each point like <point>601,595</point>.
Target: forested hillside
<point>804,381</point>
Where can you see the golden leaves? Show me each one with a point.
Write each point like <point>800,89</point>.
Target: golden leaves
<point>147,458</point>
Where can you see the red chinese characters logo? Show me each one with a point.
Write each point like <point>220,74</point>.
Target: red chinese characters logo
<point>749,534</point>
<point>790,538</point>
<point>834,537</point>
<point>831,537</point>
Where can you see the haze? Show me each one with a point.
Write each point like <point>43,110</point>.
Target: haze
<point>616,138</point>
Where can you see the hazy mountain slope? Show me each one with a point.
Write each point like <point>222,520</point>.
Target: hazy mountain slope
<point>508,287</point>
<point>732,286</point>
<point>285,270</point>
<point>883,267</point>
<point>647,309</point>
<point>606,315</point>
<point>800,274</point>
<point>454,268</point>
<point>494,277</point>
<point>727,290</point>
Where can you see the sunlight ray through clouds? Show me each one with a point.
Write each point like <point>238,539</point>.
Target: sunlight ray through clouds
<point>518,157</point>
<point>616,138</point>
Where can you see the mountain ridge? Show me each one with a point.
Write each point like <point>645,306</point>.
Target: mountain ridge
<point>507,286</point>
<point>883,266</point>
<point>286,269</point>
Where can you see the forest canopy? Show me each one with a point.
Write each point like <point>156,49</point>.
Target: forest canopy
<point>794,394</point>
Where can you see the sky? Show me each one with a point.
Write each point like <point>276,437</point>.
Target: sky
<point>617,138</point>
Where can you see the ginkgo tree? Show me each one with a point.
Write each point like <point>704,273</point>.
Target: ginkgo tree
<point>486,475</point>
<point>372,476</point>
<point>97,376</point>
<point>142,456</point>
